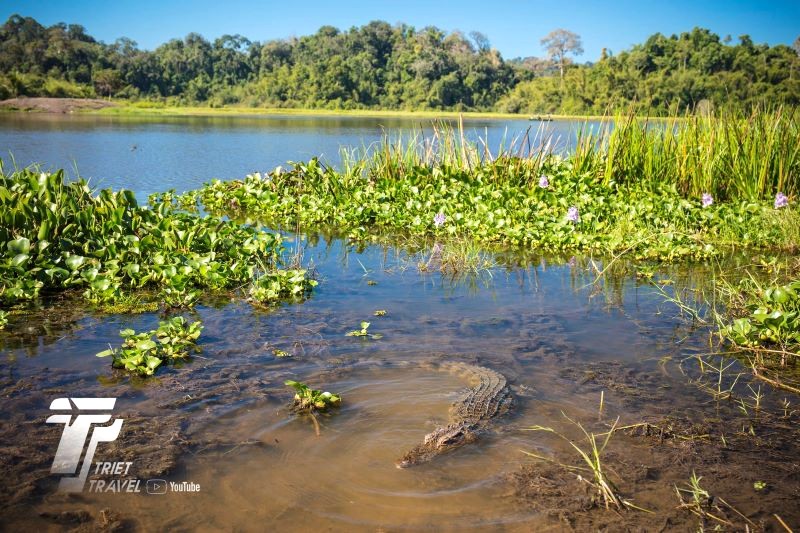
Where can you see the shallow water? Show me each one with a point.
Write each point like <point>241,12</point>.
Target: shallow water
<point>223,420</point>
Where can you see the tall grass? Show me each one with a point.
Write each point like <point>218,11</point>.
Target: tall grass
<point>730,155</point>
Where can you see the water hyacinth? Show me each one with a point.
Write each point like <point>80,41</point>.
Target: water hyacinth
<point>573,215</point>
<point>781,200</point>
<point>707,199</point>
<point>544,182</point>
<point>439,219</point>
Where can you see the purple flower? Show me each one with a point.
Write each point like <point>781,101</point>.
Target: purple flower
<point>544,182</point>
<point>573,215</point>
<point>781,200</point>
<point>439,219</point>
<point>707,199</point>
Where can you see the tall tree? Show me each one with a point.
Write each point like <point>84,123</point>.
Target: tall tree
<point>559,43</point>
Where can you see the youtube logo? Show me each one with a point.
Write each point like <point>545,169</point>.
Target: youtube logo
<point>156,486</point>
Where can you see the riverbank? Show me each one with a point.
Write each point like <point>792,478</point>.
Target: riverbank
<point>126,108</point>
<point>55,105</point>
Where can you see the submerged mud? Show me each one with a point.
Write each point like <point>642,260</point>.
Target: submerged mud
<point>223,420</point>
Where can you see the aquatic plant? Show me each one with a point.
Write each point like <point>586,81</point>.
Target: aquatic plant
<point>632,189</point>
<point>175,339</point>
<point>308,399</point>
<point>573,215</point>
<point>280,283</point>
<point>57,235</point>
<point>3,319</point>
<point>363,332</point>
<point>544,182</point>
<point>781,200</point>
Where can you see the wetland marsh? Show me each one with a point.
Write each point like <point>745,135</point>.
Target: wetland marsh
<point>589,320</point>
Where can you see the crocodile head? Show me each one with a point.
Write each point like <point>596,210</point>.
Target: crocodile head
<point>439,441</point>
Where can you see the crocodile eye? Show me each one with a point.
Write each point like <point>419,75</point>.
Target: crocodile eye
<point>455,438</point>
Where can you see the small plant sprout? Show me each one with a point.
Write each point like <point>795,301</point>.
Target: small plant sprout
<point>363,332</point>
<point>701,503</point>
<point>759,486</point>
<point>756,396</point>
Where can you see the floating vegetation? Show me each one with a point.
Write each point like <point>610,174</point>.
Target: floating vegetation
<point>308,400</point>
<point>271,286</point>
<point>57,235</point>
<point>175,340</point>
<point>637,189</point>
<point>363,332</point>
<point>380,312</point>
<point>280,353</point>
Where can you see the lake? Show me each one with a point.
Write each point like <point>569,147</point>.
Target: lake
<point>578,351</point>
<point>155,154</point>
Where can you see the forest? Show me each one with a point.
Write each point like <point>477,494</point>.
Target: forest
<point>398,67</point>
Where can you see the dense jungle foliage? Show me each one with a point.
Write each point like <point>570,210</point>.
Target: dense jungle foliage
<point>379,66</point>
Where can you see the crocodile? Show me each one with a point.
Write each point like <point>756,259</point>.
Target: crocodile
<point>469,416</point>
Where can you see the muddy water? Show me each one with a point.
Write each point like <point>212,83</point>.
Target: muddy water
<point>223,421</point>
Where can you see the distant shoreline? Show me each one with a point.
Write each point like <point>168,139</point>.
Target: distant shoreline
<point>94,106</point>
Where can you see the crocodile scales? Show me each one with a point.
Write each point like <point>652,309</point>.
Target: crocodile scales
<point>488,399</point>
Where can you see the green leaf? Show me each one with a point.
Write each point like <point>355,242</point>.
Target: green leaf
<point>74,262</point>
<point>19,260</point>
<point>19,246</point>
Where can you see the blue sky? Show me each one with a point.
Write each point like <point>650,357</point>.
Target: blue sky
<point>514,28</point>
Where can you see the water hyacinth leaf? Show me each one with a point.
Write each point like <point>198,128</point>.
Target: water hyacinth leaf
<point>20,245</point>
<point>74,262</point>
<point>19,260</point>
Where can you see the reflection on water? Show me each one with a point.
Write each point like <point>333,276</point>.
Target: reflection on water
<point>153,154</point>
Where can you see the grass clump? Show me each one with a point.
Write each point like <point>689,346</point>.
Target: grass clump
<point>593,464</point>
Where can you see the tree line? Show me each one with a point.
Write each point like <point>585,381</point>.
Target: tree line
<point>382,66</point>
